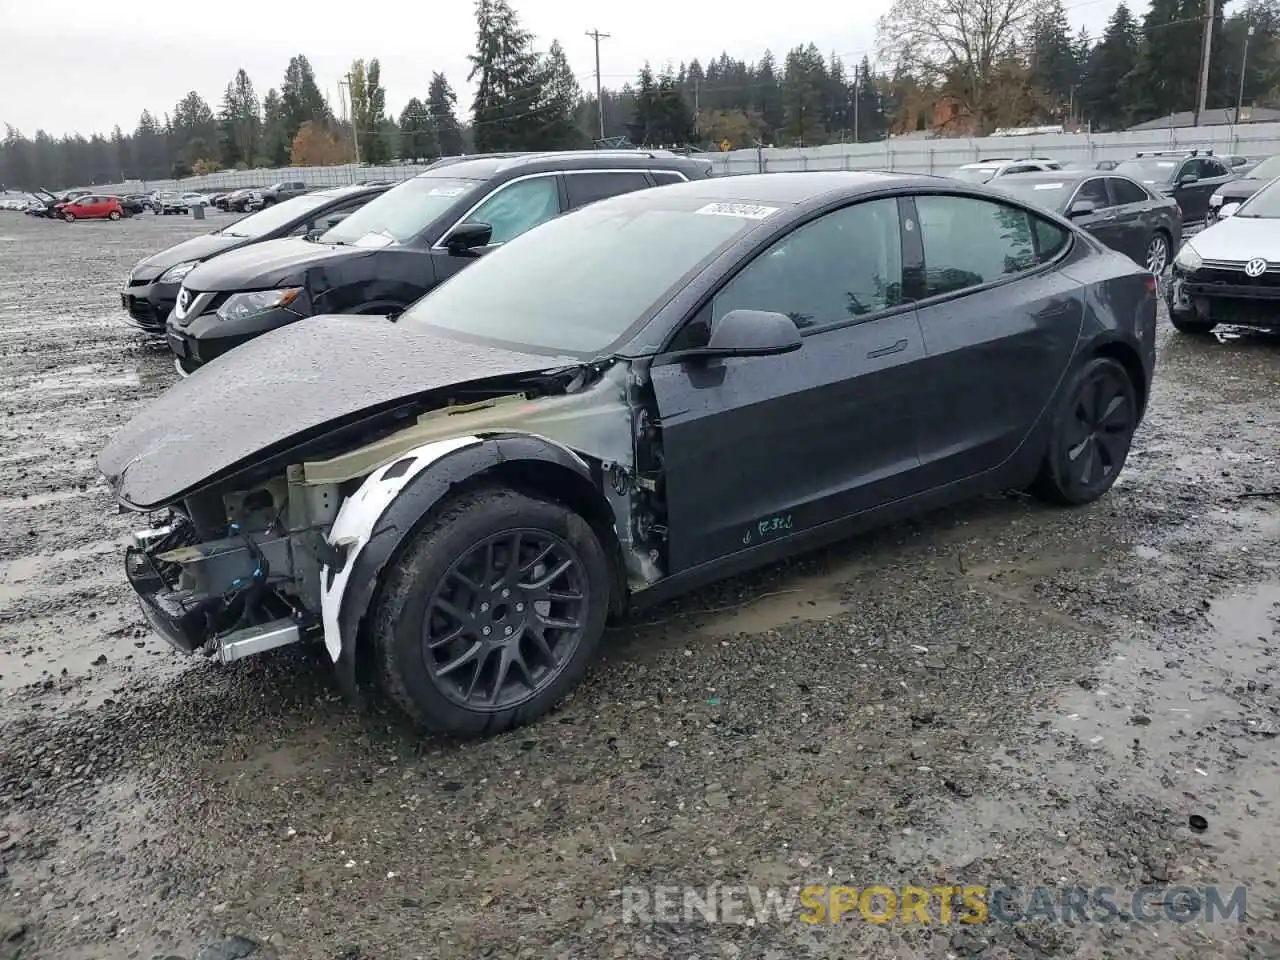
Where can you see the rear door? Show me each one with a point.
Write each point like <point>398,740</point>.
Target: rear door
<point>1134,213</point>
<point>587,186</point>
<point>999,328</point>
<point>758,448</point>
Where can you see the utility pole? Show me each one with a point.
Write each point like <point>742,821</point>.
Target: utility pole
<point>1204,59</point>
<point>597,36</point>
<point>1244,60</point>
<point>355,120</point>
<point>857,79</point>
<point>697,111</point>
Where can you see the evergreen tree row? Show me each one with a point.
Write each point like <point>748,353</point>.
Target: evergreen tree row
<point>1038,70</point>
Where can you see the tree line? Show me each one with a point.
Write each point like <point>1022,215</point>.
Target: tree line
<point>963,68</point>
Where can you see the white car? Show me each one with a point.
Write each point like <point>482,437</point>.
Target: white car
<point>984,171</point>
<point>1229,272</point>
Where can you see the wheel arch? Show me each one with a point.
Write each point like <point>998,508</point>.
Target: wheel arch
<point>1127,356</point>
<point>524,462</point>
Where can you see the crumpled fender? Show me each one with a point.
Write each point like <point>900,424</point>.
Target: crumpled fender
<point>374,521</point>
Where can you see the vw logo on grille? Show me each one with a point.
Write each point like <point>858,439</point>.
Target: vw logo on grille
<point>1255,267</point>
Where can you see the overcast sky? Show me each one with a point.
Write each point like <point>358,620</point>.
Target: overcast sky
<point>82,65</point>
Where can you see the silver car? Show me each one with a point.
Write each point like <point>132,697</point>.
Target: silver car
<point>1230,271</point>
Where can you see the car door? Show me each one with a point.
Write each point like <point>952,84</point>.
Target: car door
<point>587,186</point>
<point>1193,197</point>
<point>1102,222</point>
<point>758,448</point>
<point>513,208</point>
<point>999,327</point>
<point>1133,207</point>
<point>91,207</point>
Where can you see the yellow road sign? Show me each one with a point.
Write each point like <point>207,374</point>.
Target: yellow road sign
<point>724,145</point>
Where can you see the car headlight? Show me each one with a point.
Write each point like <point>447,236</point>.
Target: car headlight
<point>1215,200</point>
<point>1187,259</point>
<point>241,305</point>
<point>178,271</point>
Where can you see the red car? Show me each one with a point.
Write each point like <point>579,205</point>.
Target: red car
<point>90,207</point>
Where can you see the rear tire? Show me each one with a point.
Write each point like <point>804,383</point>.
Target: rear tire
<point>1159,253</point>
<point>1091,434</point>
<point>454,613</point>
<point>69,217</point>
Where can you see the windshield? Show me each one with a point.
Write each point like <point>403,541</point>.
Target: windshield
<point>401,213</point>
<point>273,217</point>
<point>1263,205</point>
<point>1048,194</point>
<point>973,174</point>
<point>1268,169</point>
<point>1149,171</point>
<point>578,284</point>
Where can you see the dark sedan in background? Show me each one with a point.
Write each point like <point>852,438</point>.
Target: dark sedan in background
<point>1123,214</point>
<point>152,288</point>
<point>1238,191</point>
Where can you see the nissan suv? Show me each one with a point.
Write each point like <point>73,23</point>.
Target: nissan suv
<point>399,246</point>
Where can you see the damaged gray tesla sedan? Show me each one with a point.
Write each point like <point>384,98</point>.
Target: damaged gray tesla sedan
<point>655,391</point>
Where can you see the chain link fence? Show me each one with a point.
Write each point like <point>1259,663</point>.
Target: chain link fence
<point>905,154</point>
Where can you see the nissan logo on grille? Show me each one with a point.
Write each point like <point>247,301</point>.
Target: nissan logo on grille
<point>1255,267</point>
<point>184,299</point>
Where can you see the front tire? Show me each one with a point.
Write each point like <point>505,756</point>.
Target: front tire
<point>114,215</point>
<point>492,613</point>
<point>1092,431</point>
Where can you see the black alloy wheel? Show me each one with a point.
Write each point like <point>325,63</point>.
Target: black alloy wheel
<point>506,617</point>
<point>492,613</point>
<point>1091,436</point>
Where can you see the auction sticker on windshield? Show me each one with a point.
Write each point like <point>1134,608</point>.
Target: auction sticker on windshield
<point>446,191</point>
<point>375,240</point>
<point>1049,186</point>
<point>752,211</point>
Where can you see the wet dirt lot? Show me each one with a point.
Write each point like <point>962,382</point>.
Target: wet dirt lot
<point>1000,695</point>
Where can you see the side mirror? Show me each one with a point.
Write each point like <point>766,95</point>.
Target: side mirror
<point>1188,178</point>
<point>466,237</point>
<point>1081,208</point>
<point>750,333</point>
<point>1228,209</point>
<point>315,233</point>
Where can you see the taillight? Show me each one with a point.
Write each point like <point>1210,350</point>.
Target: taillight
<point>1150,280</point>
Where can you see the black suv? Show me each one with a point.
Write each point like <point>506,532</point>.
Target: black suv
<point>394,250</point>
<point>152,286</point>
<point>279,192</point>
<point>1189,176</point>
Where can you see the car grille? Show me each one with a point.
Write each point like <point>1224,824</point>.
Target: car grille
<point>143,311</point>
<point>1218,273</point>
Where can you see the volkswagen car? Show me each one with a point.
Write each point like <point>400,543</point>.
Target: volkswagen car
<point>660,389</point>
<point>1230,272</point>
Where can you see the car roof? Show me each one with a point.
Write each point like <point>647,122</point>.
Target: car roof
<point>486,167</point>
<point>348,190</point>
<point>1059,176</point>
<point>793,188</point>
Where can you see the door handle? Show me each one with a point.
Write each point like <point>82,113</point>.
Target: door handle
<point>886,351</point>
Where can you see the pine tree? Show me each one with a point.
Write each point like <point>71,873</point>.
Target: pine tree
<point>442,109</point>
<point>557,110</point>
<point>417,141</point>
<point>645,121</point>
<point>508,80</point>
<point>276,141</point>
<point>1103,99</point>
<point>300,97</point>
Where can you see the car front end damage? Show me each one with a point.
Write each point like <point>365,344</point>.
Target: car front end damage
<point>1209,292</point>
<point>240,568</point>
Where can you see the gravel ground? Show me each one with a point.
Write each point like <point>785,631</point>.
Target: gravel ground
<point>999,694</point>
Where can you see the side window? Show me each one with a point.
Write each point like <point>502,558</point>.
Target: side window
<point>1214,168</point>
<point>969,242</point>
<point>846,264</point>
<point>584,188</point>
<point>1021,168</point>
<point>518,207</point>
<point>1094,190</point>
<point>1126,191</point>
<point>1049,237</point>
<point>1191,166</point>
<point>665,176</point>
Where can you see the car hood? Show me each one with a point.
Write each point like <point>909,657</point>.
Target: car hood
<point>284,388</point>
<point>1239,189</point>
<point>1239,239</point>
<point>197,248</point>
<point>267,264</point>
